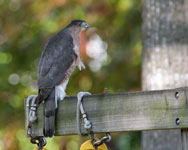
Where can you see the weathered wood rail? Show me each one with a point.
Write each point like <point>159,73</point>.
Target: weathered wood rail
<point>132,111</point>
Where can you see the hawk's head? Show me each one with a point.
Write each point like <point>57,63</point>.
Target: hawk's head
<point>81,24</point>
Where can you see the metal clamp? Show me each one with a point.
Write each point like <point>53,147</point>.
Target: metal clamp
<point>87,123</point>
<point>39,140</point>
<point>104,139</point>
<point>80,108</point>
<point>32,113</point>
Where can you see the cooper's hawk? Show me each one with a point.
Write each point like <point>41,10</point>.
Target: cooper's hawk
<point>59,58</point>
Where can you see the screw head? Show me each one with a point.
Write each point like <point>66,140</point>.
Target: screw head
<point>177,95</point>
<point>177,121</point>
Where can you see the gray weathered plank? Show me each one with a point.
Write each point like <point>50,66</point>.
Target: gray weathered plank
<point>132,111</point>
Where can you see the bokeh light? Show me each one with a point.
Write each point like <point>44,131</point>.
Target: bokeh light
<point>96,48</point>
<point>14,79</point>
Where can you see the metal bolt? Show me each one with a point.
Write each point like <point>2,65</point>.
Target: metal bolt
<point>177,95</point>
<point>177,121</point>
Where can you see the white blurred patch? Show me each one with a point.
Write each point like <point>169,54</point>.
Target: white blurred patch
<point>96,49</point>
<point>14,79</point>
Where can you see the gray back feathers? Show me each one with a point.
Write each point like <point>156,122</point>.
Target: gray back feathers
<point>57,57</point>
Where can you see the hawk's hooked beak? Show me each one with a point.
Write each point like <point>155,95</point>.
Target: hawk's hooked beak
<point>85,25</point>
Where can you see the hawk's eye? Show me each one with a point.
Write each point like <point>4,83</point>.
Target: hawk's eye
<point>79,24</point>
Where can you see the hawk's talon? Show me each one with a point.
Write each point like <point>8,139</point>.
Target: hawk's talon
<point>59,93</point>
<point>81,66</point>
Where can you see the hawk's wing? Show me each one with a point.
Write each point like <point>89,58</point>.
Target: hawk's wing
<point>57,57</point>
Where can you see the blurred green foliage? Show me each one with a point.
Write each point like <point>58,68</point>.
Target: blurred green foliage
<point>24,28</point>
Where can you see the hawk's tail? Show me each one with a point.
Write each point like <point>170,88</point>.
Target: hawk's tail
<point>48,96</point>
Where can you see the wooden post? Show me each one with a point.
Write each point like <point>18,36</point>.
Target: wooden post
<point>184,135</point>
<point>165,59</point>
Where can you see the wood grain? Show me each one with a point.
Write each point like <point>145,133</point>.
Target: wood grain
<point>132,111</point>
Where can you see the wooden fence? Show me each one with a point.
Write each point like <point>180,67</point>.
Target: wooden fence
<point>118,112</point>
